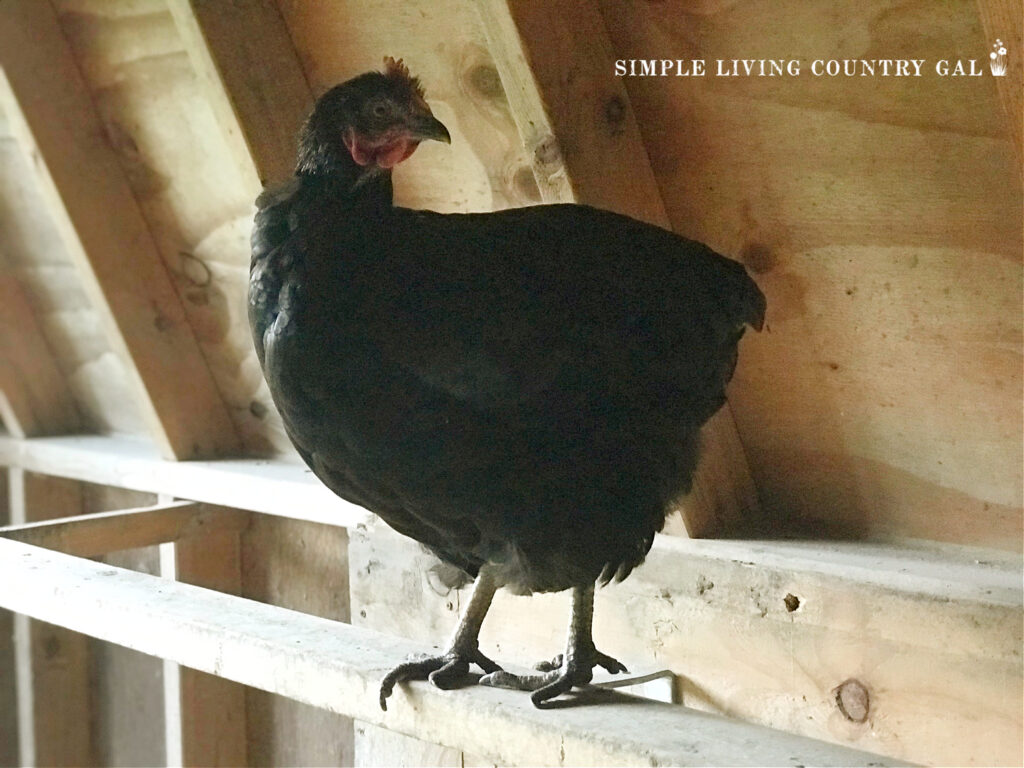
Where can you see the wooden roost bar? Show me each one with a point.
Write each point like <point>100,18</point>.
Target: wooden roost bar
<point>843,586</point>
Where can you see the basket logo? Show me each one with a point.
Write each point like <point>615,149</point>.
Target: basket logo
<point>997,59</point>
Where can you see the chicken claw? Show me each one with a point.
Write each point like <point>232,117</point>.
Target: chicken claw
<point>446,671</point>
<point>558,678</point>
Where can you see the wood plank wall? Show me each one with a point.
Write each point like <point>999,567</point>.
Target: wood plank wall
<point>882,217</point>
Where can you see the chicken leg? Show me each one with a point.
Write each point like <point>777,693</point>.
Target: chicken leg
<point>450,668</point>
<point>573,668</point>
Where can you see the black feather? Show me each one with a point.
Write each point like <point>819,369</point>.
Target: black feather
<point>523,387</point>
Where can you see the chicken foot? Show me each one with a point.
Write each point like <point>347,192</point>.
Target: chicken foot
<point>451,667</point>
<point>573,668</point>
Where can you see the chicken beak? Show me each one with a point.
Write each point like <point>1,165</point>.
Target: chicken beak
<point>427,127</point>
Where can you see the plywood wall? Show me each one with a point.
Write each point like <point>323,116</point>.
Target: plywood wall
<point>882,218</point>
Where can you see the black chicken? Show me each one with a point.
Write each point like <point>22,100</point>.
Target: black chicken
<point>520,391</point>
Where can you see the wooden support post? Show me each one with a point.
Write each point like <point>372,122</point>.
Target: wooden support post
<point>51,663</point>
<point>204,715</point>
<point>556,64</point>
<point>253,81</point>
<point>34,397</point>
<point>98,217</point>
<point>300,566</point>
<point>8,689</point>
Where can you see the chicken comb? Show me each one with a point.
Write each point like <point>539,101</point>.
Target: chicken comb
<point>397,69</point>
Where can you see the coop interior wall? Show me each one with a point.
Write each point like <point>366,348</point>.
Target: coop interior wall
<point>881,217</point>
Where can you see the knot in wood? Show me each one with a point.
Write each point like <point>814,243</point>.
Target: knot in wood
<point>547,151</point>
<point>853,700</point>
<point>615,114</point>
<point>485,80</point>
<point>525,183</point>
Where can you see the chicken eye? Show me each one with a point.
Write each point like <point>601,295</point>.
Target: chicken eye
<point>380,109</point>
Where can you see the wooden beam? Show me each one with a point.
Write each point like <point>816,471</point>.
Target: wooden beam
<point>253,81</point>
<point>766,631</point>
<point>97,215</point>
<point>278,487</point>
<point>125,708</point>
<point>51,662</point>
<point>556,64</point>
<point>105,532</point>
<point>301,566</point>
<point>339,667</point>
<point>8,687</point>
<point>34,397</point>
<point>204,715</point>
<point>743,651</point>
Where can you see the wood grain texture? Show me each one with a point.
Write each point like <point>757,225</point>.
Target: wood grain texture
<point>34,398</point>
<point>765,632</point>
<point>71,327</point>
<point>575,118</point>
<point>337,666</point>
<point>157,120</point>
<point>1004,20</point>
<point>51,662</point>
<point>301,566</point>
<point>883,219</point>
<point>55,123</point>
<point>253,81</point>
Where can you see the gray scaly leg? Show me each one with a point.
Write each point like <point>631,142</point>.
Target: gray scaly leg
<point>573,668</point>
<point>450,668</point>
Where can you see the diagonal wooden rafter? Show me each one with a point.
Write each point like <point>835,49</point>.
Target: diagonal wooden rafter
<point>556,64</point>
<point>253,81</point>
<point>35,400</point>
<point>53,118</point>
